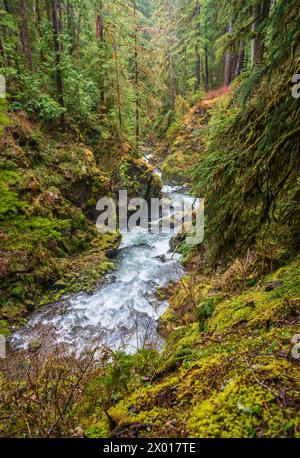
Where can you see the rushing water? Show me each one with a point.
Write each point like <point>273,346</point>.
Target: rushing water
<point>123,313</point>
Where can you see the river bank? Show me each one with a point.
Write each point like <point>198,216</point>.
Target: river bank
<point>49,187</point>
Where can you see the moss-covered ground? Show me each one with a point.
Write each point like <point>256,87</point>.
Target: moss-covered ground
<point>184,142</point>
<point>227,372</point>
<point>49,186</point>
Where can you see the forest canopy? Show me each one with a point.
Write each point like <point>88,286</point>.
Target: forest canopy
<point>119,69</point>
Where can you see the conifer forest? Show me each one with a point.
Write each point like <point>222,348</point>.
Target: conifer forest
<point>149,219</point>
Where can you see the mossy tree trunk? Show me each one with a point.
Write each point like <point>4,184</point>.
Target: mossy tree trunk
<point>57,49</point>
<point>197,47</point>
<point>228,61</point>
<point>136,78</point>
<point>240,59</point>
<point>206,75</point>
<point>25,36</point>
<point>261,11</point>
<point>170,58</point>
<point>100,41</point>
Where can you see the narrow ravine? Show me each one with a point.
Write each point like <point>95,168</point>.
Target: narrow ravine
<point>124,312</point>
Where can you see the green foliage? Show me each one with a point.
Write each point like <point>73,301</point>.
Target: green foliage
<point>223,383</point>
<point>31,99</point>
<point>250,170</point>
<point>226,368</point>
<point>3,117</point>
<point>10,202</point>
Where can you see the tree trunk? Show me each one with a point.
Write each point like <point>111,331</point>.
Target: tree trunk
<point>78,33</point>
<point>48,11</point>
<point>185,73</point>
<point>206,61</point>
<point>136,78</point>
<point>39,26</point>
<point>6,7</point>
<point>261,11</point>
<point>99,23</point>
<point>256,40</point>
<point>118,95</point>
<point>197,47</point>
<point>240,60</point>
<point>266,5</point>
<point>100,40</point>
<point>57,49</point>
<point>60,24</point>
<point>170,59</point>
<point>228,61</point>
<point>71,26</point>
<point>25,35</point>
<point>38,13</point>
<point>266,9</point>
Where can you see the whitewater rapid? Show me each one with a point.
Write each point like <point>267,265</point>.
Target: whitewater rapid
<point>123,313</point>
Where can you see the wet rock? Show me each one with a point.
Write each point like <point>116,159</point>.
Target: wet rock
<point>30,305</point>
<point>177,240</point>
<point>273,285</point>
<point>161,257</point>
<point>138,178</point>
<point>112,253</point>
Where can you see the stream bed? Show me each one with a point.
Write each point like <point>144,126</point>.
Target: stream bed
<point>123,312</point>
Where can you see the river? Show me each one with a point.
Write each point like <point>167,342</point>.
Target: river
<point>121,314</point>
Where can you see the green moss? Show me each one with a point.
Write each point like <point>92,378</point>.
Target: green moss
<point>10,202</point>
<point>244,408</point>
<point>100,430</point>
<point>228,379</point>
<point>137,177</point>
<point>174,169</point>
<point>4,121</point>
<point>4,328</point>
<point>232,379</point>
<point>258,306</point>
<point>47,191</point>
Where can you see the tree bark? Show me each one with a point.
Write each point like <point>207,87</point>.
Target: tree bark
<point>38,12</point>
<point>228,61</point>
<point>25,35</point>
<point>99,23</point>
<point>185,73</point>
<point>118,95</point>
<point>78,33</point>
<point>48,11</point>
<point>6,7</point>
<point>170,59</point>
<point>261,11</point>
<point>197,47</point>
<point>206,61</point>
<point>240,60</point>
<point>71,26</point>
<point>60,24</point>
<point>39,26</point>
<point>100,40</point>
<point>136,78</point>
<point>256,42</point>
<point>57,49</point>
<point>266,6</point>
